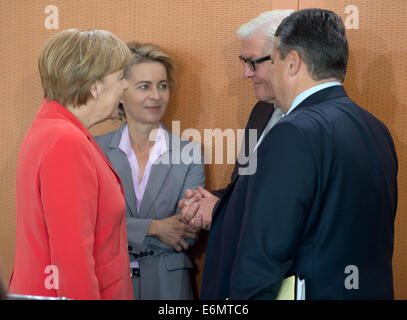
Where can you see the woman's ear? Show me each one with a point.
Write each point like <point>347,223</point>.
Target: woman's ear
<point>96,89</point>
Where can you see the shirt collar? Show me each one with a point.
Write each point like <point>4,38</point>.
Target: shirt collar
<point>125,144</point>
<point>160,145</point>
<point>305,94</point>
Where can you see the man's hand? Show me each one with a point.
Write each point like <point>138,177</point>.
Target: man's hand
<point>189,205</point>
<point>173,232</point>
<point>197,207</point>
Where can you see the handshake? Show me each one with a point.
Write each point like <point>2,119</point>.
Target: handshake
<point>196,208</point>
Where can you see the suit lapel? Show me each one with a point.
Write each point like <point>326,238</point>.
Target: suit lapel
<point>119,161</point>
<point>259,123</point>
<point>156,179</point>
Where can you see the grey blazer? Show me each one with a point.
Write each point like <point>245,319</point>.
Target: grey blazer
<point>163,271</point>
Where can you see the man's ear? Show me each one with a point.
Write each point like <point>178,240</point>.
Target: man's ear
<point>293,63</point>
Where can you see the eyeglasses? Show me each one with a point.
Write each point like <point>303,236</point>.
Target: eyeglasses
<point>252,63</point>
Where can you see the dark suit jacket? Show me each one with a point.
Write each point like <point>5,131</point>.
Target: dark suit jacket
<point>323,198</point>
<point>258,120</point>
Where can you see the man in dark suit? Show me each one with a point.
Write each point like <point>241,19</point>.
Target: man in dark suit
<point>258,119</point>
<point>264,116</point>
<point>323,200</point>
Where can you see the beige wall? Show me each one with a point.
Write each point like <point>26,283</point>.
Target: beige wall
<point>211,93</point>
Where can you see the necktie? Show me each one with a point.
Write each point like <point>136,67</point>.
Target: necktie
<point>277,114</point>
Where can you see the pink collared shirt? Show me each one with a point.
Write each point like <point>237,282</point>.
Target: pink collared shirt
<point>160,147</point>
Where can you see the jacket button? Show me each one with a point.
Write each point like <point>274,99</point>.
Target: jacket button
<point>151,252</point>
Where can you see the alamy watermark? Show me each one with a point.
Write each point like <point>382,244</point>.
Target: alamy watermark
<point>352,18</point>
<point>213,139</point>
<point>51,281</point>
<point>352,280</point>
<point>51,22</point>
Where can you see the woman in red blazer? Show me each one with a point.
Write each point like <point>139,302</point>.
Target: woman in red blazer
<point>71,236</point>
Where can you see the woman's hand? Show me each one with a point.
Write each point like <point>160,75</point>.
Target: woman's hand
<point>173,232</point>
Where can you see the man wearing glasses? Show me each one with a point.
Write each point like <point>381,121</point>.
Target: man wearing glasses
<point>257,38</point>
<point>323,200</point>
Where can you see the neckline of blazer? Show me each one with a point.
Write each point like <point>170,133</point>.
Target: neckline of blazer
<point>54,110</point>
<point>322,95</point>
<point>115,142</point>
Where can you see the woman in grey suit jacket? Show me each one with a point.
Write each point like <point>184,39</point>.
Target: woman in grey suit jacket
<point>142,152</point>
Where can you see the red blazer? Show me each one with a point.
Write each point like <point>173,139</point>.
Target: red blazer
<point>71,238</point>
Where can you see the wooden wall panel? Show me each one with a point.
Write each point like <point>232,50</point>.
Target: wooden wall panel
<point>376,79</point>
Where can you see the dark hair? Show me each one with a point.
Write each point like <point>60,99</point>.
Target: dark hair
<point>319,37</point>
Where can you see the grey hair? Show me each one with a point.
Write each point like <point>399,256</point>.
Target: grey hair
<point>265,25</point>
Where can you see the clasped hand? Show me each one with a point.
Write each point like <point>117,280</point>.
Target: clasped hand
<point>196,208</point>
<point>173,232</point>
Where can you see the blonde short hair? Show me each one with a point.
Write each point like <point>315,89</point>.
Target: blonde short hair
<point>73,60</point>
<point>148,52</point>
